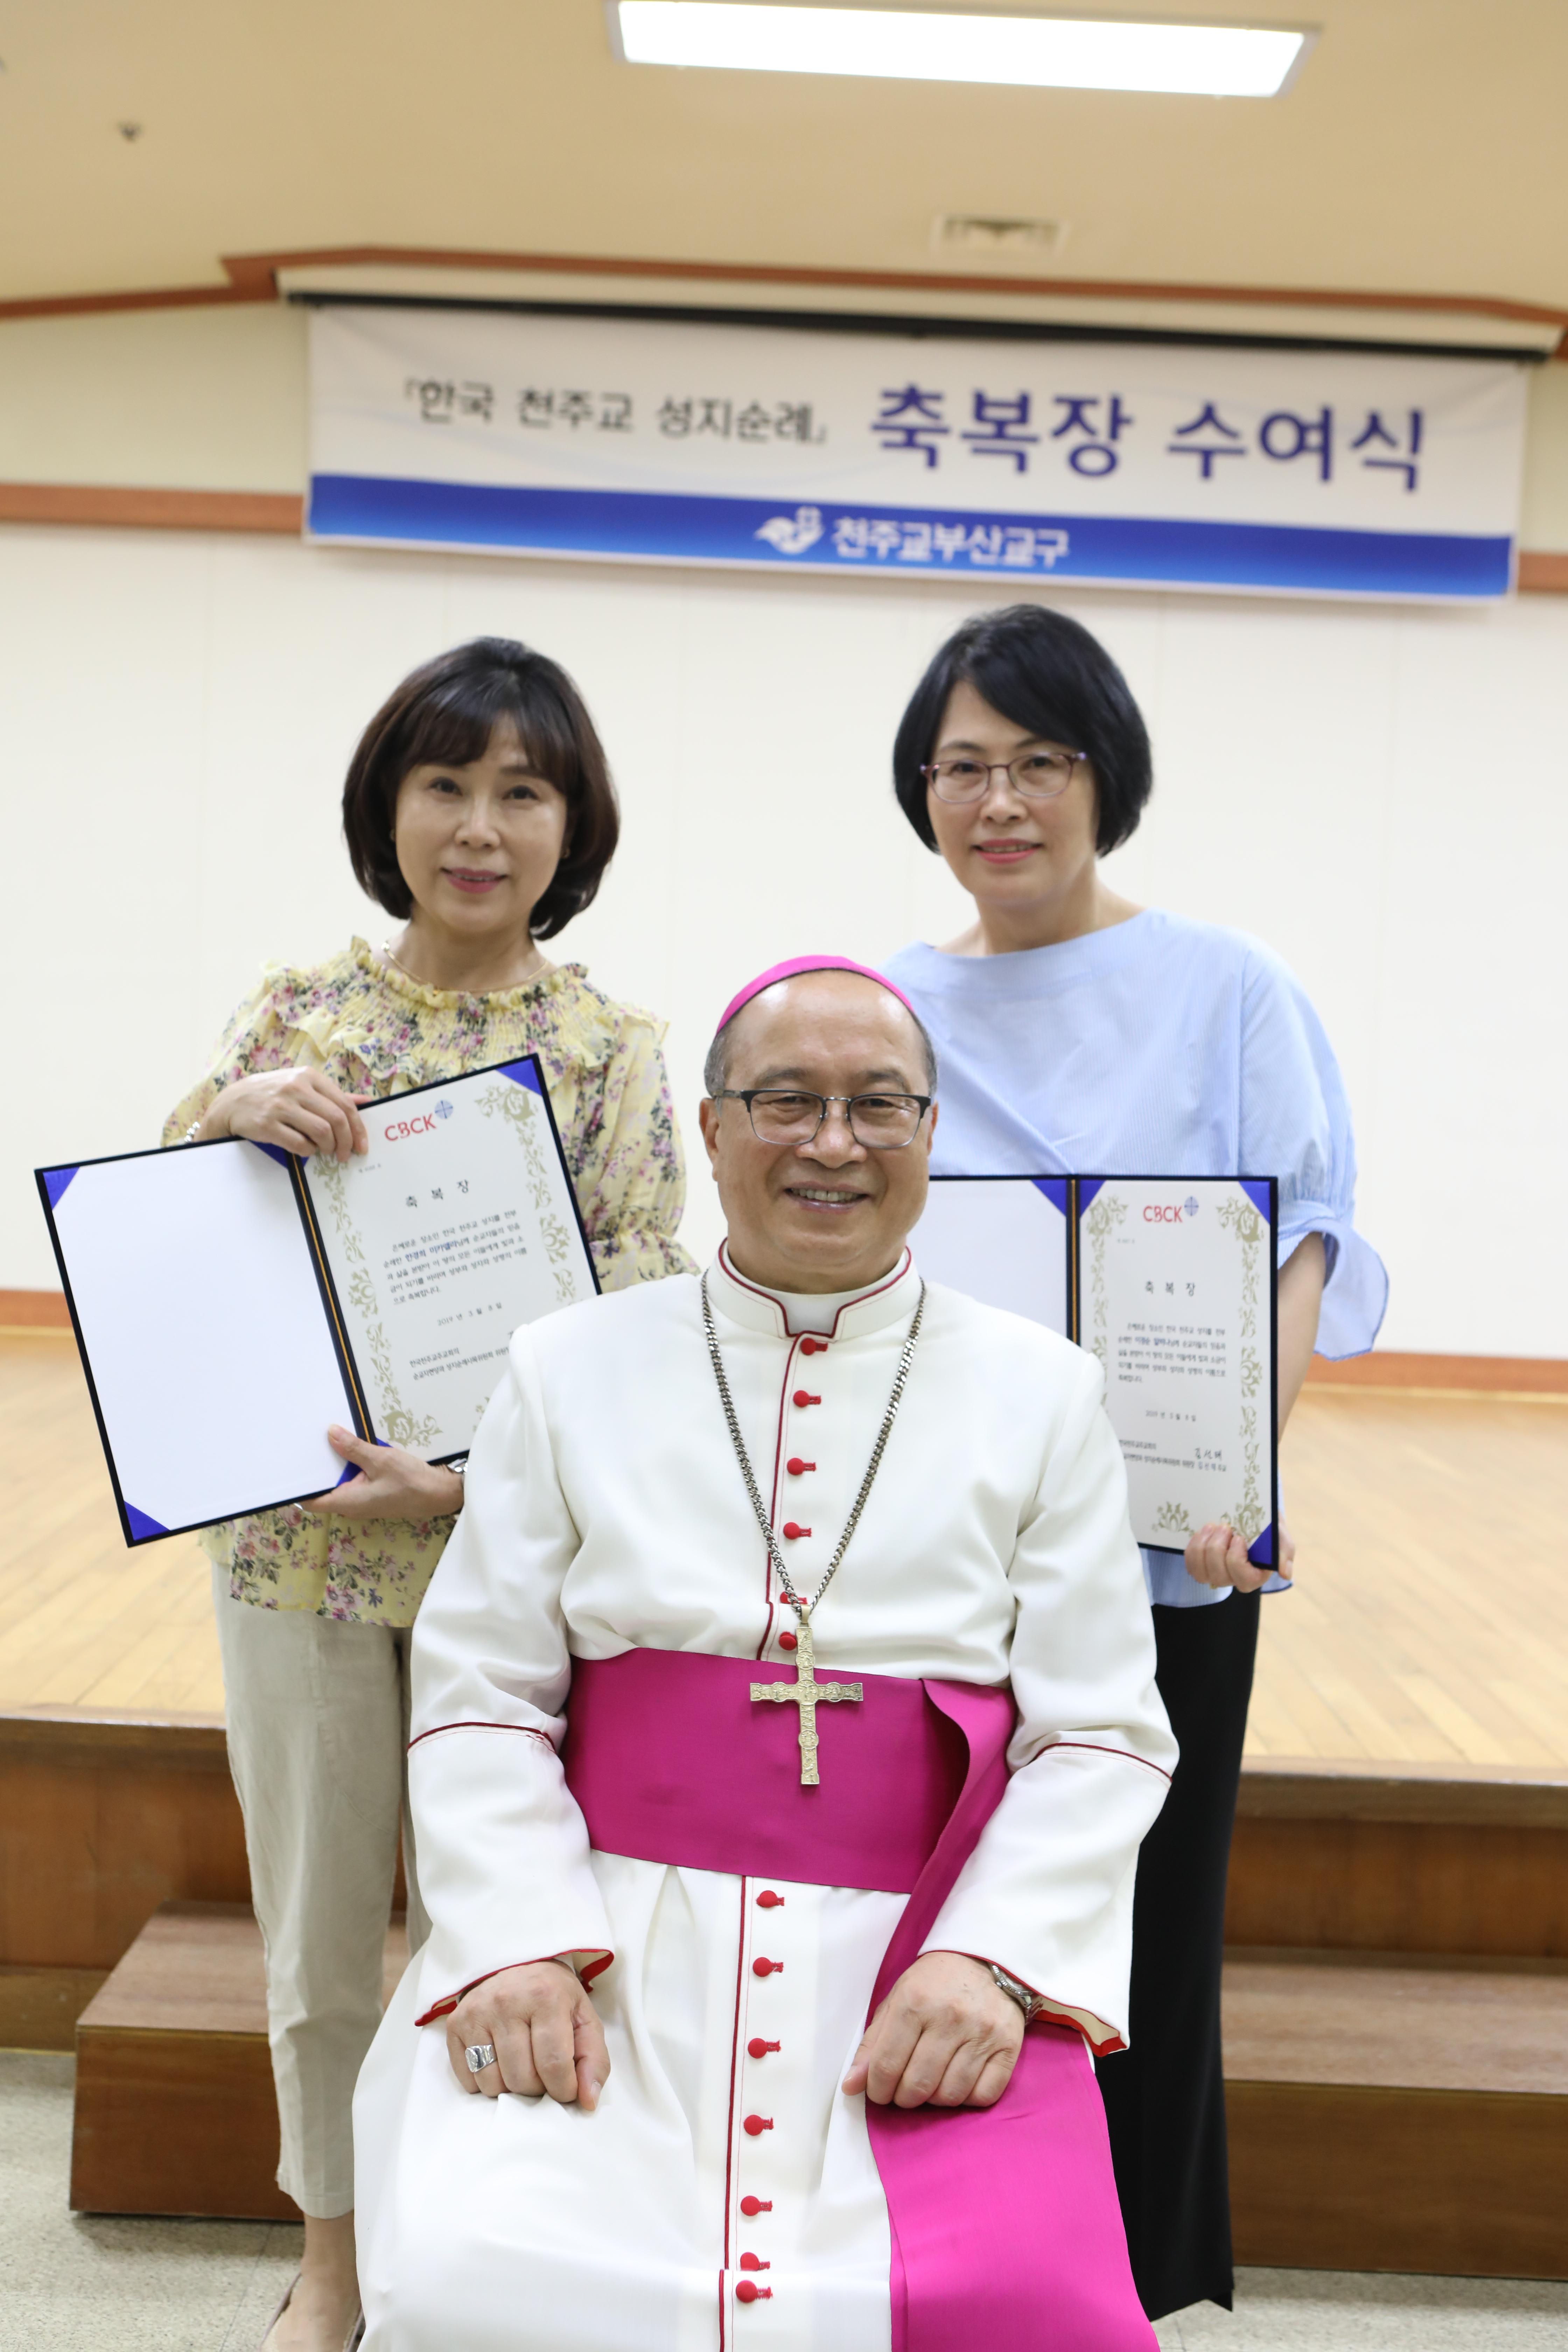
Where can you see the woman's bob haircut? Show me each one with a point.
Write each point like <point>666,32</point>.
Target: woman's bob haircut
<point>1046,673</point>
<point>443,715</point>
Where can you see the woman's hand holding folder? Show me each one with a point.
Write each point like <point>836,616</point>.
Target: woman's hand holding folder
<point>297,1110</point>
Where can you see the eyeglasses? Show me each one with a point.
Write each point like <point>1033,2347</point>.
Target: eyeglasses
<point>1038,775</point>
<point>789,1114</point>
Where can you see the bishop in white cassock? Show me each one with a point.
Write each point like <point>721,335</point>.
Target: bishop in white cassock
<point>704,2053</point>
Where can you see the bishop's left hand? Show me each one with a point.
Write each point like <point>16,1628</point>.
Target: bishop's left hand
<point>393,1484</point>
<point>946,2036</point>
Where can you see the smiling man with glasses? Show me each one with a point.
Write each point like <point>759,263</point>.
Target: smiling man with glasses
<point>785,1734</point>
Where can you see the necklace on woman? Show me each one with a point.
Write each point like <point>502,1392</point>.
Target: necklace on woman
<point>805,1692</point>
<point>534,969</point>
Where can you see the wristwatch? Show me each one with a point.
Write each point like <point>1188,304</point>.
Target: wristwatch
<point>1031,2003</point>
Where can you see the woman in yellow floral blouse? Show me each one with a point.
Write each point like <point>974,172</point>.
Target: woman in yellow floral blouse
<point>478,810</point>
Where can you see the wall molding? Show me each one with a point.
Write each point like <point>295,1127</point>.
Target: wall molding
<point>110,507</point>
<point>45,1310</point>
<point>152,510</point>
<point>253,277</point>
<point>1387,1369</point>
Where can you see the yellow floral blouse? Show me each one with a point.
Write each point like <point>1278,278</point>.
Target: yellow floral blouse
<point>376,1031</point>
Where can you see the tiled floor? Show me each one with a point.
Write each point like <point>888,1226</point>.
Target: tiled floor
<point>1347,2311</point>
<point>70,2284</point>
<point>95,2285</point>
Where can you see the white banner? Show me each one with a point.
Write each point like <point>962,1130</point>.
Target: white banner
<point>1342,473</point>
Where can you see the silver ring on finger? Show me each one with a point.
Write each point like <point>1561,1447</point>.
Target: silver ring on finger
<point>479,2055</point>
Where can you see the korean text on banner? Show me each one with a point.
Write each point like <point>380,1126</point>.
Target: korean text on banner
<point>1286,471</point>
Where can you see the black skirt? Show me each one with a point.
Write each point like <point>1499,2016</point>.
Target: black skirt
<point>1164,2095</point>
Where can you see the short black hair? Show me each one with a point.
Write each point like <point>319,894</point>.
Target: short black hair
<point>1045,672</point>
<point>447,711</point>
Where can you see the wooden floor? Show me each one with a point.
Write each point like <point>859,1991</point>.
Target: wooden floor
<point>1430,1622</point>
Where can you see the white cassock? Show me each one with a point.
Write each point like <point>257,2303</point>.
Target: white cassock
<point>605,1512</point>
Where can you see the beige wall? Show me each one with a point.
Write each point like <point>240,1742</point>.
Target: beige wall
<point>1375,789</point>
<point>216,400</point>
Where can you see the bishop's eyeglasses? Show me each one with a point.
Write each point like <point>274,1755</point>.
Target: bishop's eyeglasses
<point>790,1115</point>
<point>1038,775</point>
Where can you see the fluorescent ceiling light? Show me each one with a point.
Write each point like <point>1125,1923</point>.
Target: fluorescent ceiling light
<point>1036,52</point>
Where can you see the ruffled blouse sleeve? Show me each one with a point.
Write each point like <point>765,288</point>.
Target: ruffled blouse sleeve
<point>261,1035</point>
<point>631,1179</point>
<point>1296,1123</point>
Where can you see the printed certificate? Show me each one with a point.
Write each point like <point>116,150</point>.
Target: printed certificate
<point>1171,1282</point>
<point>230,1299</point>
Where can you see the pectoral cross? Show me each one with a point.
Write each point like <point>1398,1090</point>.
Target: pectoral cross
<point>805,1692</point>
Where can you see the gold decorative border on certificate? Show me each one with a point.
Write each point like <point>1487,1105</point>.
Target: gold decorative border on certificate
<point>1237,1215</point>
<point>1104,1213</point>
<point>402,1427</point>
<point>521,1108</point>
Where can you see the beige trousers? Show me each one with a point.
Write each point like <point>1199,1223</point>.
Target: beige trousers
<point>318,1733</point>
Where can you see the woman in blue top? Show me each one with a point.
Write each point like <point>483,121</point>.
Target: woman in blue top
<point>1079,1032</point>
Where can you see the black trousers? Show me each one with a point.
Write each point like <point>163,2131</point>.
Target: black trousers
<point>1164,2095</point>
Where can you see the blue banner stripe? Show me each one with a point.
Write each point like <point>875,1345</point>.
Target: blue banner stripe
<point>633,524</point>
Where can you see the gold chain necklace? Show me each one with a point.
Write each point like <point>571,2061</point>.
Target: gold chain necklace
<point>805,1692</point>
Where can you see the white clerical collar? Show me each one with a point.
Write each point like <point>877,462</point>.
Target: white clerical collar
<point>838,1315</point>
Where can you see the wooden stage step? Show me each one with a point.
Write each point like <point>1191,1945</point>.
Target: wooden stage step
<point>1399,2112</point>
<point>1387,2112</point>
<point>175,2109</point>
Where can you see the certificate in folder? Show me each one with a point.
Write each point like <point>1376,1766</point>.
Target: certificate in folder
<point>230,1299</point>
<point>1171,1282</point>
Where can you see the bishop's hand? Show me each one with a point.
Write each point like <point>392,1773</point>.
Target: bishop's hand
<point>544,2031</point>
<point>946,2036</point>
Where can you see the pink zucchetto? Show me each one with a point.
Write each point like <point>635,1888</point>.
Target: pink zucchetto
<point>775,972</point>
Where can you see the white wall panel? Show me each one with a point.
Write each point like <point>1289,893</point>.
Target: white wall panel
<point>1378,793</point>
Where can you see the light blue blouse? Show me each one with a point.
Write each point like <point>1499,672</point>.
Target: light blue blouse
<point>1159,1047</point>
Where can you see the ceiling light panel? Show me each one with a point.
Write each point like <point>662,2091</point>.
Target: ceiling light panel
<point>904,45</point>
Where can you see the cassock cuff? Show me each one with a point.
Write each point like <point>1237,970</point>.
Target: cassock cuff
<point>584,1966</point>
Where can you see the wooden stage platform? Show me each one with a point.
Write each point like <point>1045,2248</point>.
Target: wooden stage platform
<point>1430,1624</point>
<point>1397,1996</point>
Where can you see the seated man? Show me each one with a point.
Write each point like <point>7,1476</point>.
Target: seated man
<point>784,1733</point>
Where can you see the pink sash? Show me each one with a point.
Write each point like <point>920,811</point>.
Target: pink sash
<point>1005,2228</point>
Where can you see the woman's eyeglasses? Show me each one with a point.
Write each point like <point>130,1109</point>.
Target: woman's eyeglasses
<point>1038,775</point>
<point>789,1114</point>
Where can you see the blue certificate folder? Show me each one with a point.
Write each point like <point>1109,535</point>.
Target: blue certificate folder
<point>1171,1281</point>
<point>230,1299</point>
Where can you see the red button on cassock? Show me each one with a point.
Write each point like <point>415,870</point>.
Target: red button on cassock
<point>768,1901</point>
<point>802,1397</point>
<point>751,2206</point>
<point>748,2291</point>
<point>809,1346</point>
<point>796,1467</point>
<point>789,1642</point>
<point>752,2263</point>
<point>766,1967</point>
<point>757,2048</point>
<point>755,2124</point>
<point>792,1528</point>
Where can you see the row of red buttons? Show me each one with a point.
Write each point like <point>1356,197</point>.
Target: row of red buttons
<point>746,2289</point>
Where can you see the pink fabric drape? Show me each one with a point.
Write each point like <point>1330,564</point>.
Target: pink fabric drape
<point>1006,2234</point>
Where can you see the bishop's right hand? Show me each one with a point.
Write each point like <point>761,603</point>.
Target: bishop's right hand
<point>544,2031</point>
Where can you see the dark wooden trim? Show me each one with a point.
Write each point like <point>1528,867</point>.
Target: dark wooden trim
<point>39,2006</point>
<point>34,1310</point>
<point>1310,1788</point>
<point>152,510</point>
<point>253,277</point>
<point>54,1735</point>
<point>1543,573</point>
<point>1388,1368</point>
<point>1448,2183</point>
